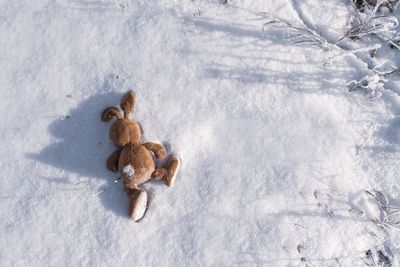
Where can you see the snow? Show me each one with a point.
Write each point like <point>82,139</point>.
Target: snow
<point>276,152</point>
<point>128,170</point>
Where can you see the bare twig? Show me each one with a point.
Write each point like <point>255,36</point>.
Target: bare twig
<point>303,35</point>
<point>387,219</point>
<point>299,35</point>
<point>367,138</point>
<point>371,23</point>
<point>372,83</point>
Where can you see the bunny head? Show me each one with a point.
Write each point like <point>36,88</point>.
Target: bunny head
<point>123,131</point>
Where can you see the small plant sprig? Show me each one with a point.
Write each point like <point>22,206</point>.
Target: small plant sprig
<point>299,35</point>
<point>304,35</point>
<point>389,4</point>
<point>372,23</point>
<point>388,213</point>
<point>373,82</point>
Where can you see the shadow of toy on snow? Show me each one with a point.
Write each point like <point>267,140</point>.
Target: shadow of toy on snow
<point>391,133</point>
<point>83,148</point>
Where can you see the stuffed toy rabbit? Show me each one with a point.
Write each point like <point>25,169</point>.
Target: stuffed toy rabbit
<point>135,161</point>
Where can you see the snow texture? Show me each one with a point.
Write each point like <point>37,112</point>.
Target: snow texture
<point>128,170</point>
<point>276,152</point>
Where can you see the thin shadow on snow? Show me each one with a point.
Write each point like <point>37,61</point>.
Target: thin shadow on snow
<point>82,148</point>
<point>391,133</point>
<point>300,260</point>
<point>258,48</point>
<point>246,75</point>
<point>87,6</point>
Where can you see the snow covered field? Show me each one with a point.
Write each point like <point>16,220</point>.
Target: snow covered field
<point>276,152</point>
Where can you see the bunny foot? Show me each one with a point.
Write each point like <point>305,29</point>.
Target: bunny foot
<point>138,204</point>
<point>173,168</point>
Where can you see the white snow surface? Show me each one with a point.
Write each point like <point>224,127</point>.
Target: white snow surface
<point>128,170</point>
<point>276,153</point>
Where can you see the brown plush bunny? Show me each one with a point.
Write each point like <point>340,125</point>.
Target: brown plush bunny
<point>134,161</point>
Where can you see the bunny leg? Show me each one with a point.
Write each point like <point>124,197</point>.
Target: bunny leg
<point>137,202</point>
<point>168,173</point>
<point>159,174</point>
<point>112,161</point>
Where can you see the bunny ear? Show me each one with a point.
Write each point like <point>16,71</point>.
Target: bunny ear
<point>128,103</point>
<point>110,112</point>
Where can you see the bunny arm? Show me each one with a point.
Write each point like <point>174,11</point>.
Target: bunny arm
<point>158,149</point>
<point>112,161</point>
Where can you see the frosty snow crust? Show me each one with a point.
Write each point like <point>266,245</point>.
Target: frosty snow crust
<point>128,171</point>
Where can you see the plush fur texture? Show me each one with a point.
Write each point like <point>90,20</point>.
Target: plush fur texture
<point>134,161</point>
